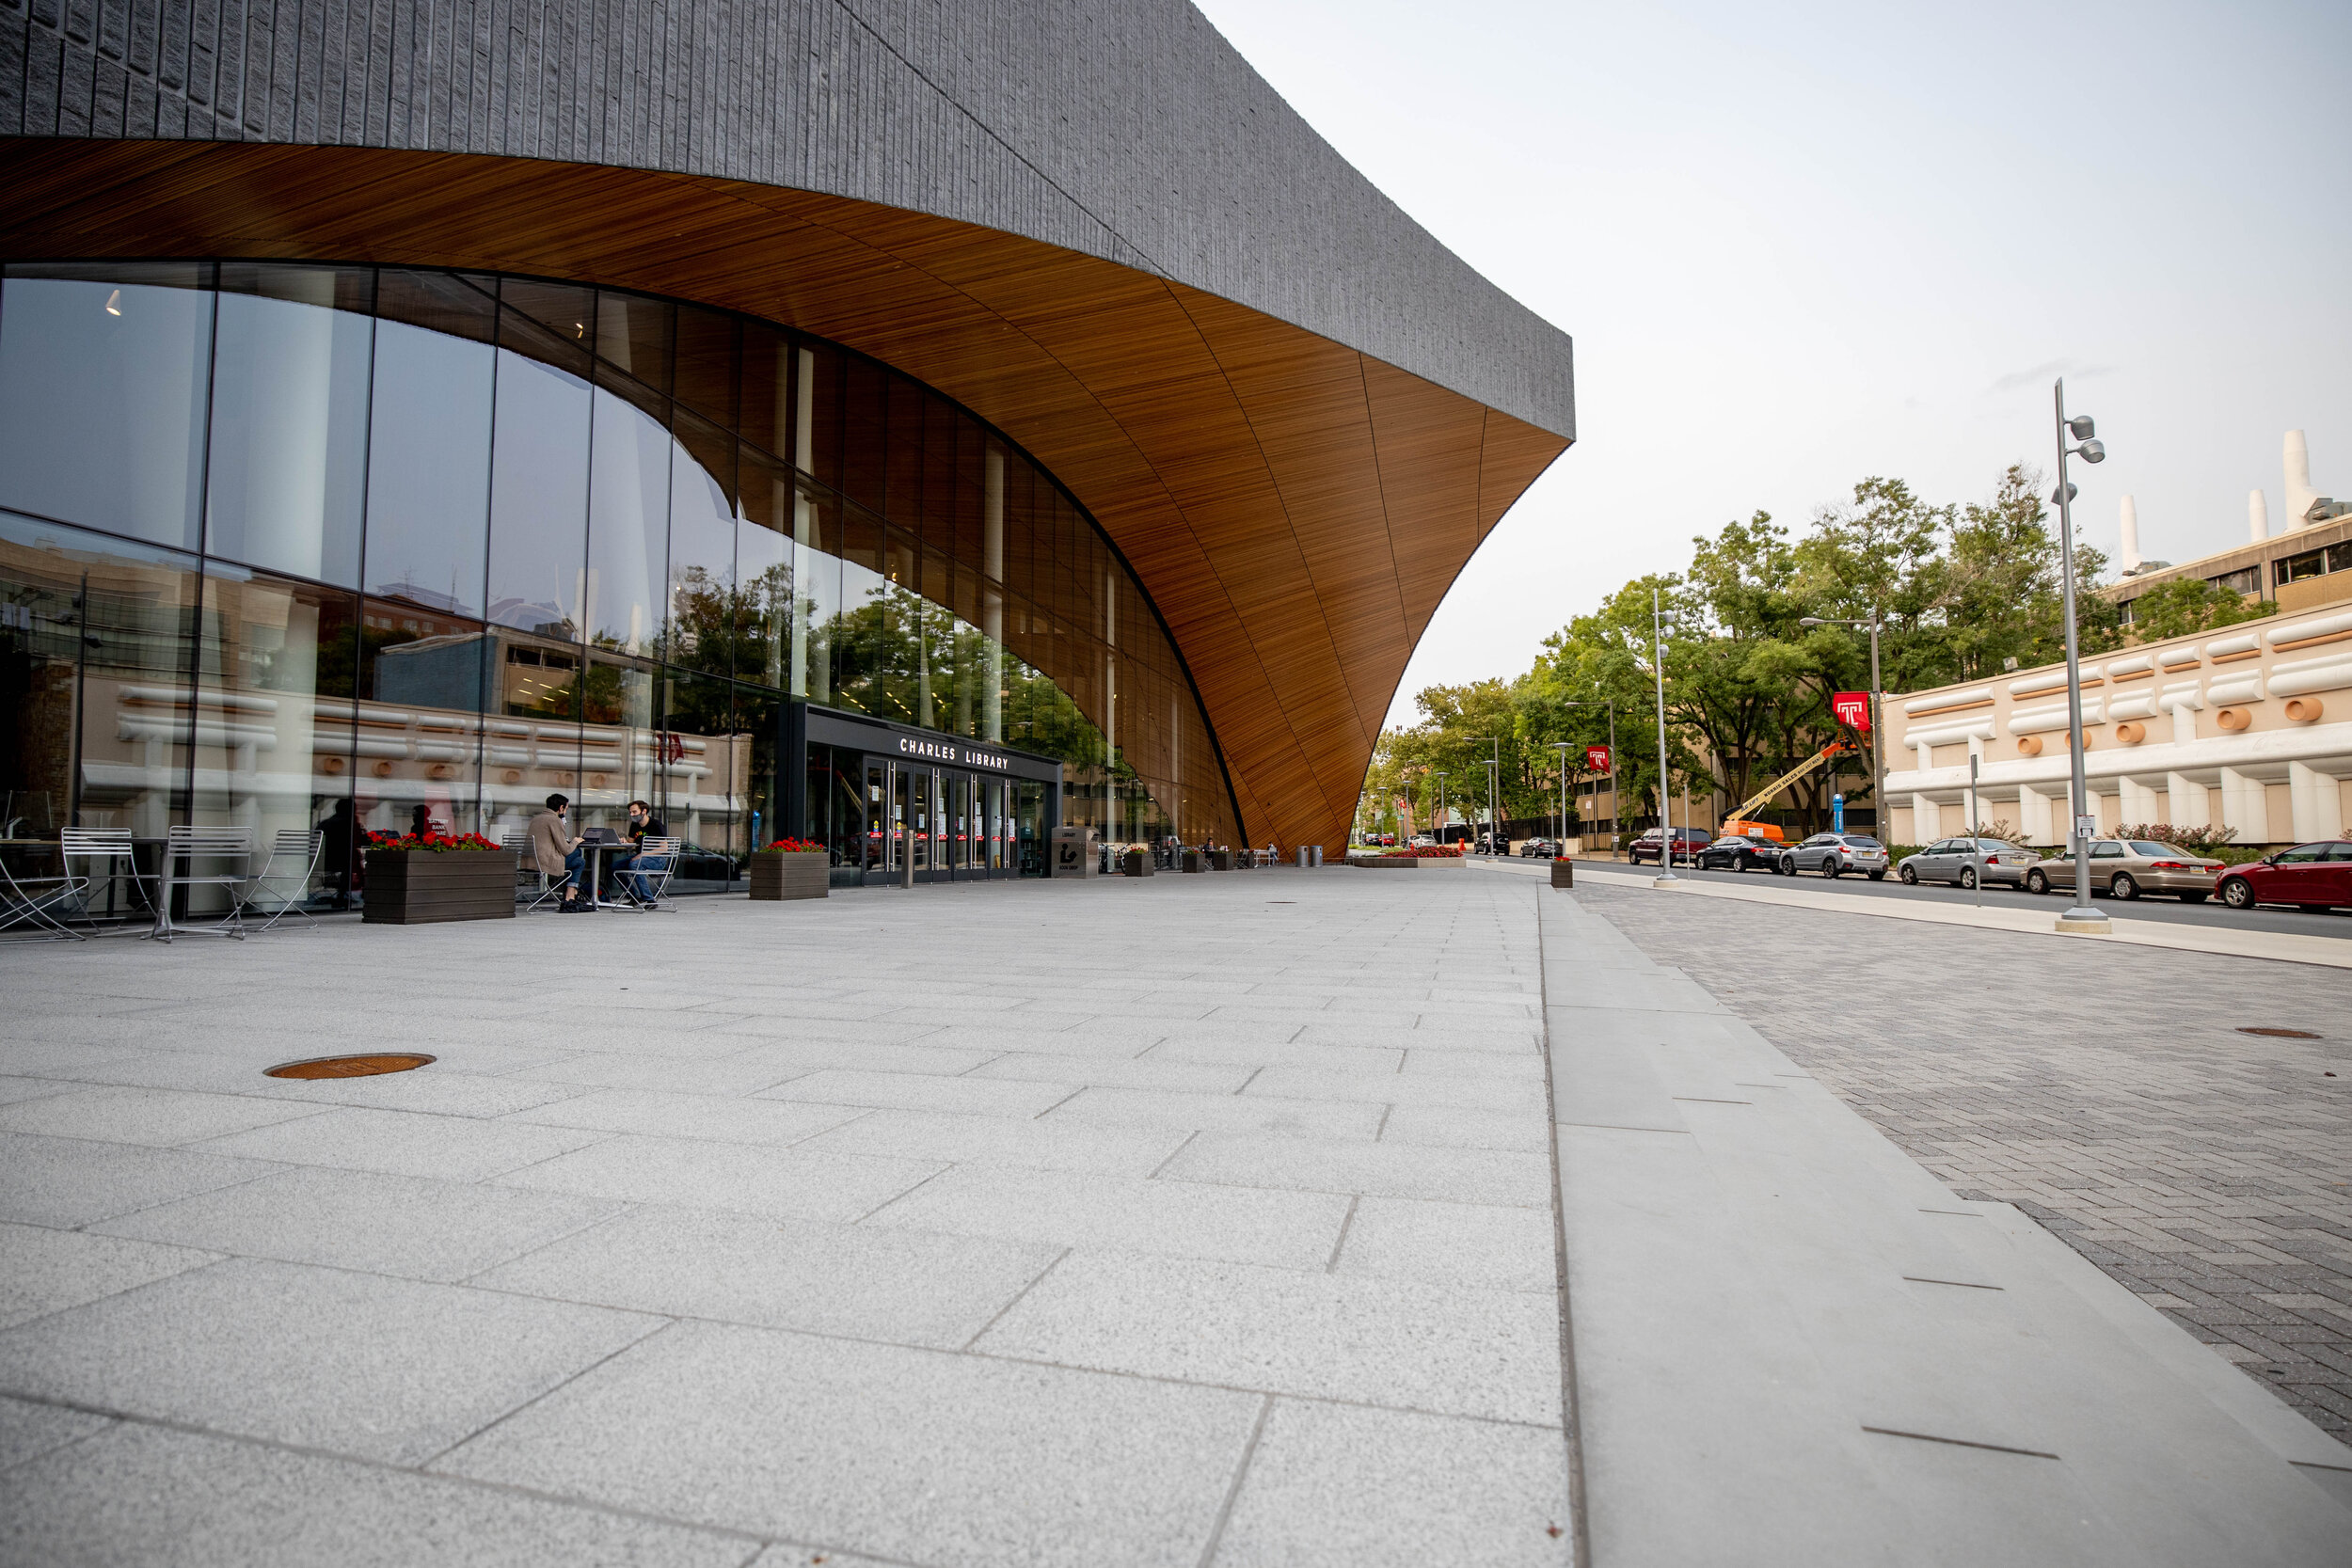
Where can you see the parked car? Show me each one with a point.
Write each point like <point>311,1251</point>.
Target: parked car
<point>2309,877</point>
<point>1539,849</point>
<point>1739,852</point>
<point>1652,845</point>
<point>2125,868</point>
<point>1962,861</point>
<point>1835,854</point>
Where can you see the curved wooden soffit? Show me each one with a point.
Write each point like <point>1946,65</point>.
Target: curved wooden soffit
<point>1295,508</point>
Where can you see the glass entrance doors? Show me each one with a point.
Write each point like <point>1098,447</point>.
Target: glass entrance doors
<point>945,823</point>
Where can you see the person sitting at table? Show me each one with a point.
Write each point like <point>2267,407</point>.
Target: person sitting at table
<point>557,853</point>
<point>643,825</point>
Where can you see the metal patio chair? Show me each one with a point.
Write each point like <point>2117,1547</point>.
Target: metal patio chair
<point>295,847</point>
<point>183,848</point>
<point>100,850</point>
<point>646,886</point>
<point>37,900</point>
<point>528,879</point>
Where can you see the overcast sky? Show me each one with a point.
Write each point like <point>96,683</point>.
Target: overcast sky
<point>1799,244</point>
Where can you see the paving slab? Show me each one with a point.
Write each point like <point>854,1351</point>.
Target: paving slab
<point>409,1226</point>
<point>27,1431</point>
<point>902,1453</point>
<point>69,1181</point>
<point>320,1359</point>
<point>903,1286</point>
<point>792,1183</point>
<point>43,1271</point>
<point>142,1497</point>
<point>1346,1487</point>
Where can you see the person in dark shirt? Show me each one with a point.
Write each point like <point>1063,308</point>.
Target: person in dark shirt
<point>643,825</point>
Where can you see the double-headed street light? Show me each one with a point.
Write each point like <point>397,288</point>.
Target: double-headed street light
<point>1559,817</point>
<point>1494,785</point>
<point>2082,919</point>
<point>1665,819</point>
<point>1878,722</point>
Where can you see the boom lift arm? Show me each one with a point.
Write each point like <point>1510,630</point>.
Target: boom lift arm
<point>1736,821</point>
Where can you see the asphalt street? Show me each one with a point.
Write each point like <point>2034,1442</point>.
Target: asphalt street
<point>2335,925</point>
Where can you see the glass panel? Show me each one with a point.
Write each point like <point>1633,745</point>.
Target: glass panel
<point>628,523</point>
<point>765,390</point>
<point>539,486</point>
<point>429,443</point>
<point>879,816</point>
<point>865,427</point>
<point>633,334</point>
<point>290,419</point>
<point>536,729</point>
<point>108,628</point>
<point>757,718</point>
<point>618,745</point>
<point>700,626</point>
<point>761,615</point>
<point>274,724</point>
<point>860,648</point>
<point>568,311</point>
<point>702,770</point>
<point>102,396</point>
<point>905,680</point>
<point>422,684</point>
<point>902,481</point>
<point>706,363</point>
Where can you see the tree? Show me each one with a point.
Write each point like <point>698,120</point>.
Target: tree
<point>2186,605</point>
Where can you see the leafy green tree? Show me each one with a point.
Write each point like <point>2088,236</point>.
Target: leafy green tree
<point>2186,605</point>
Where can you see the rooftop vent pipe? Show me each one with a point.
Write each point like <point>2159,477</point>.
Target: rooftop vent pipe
<point>2131,538</point>
<point>2299,492</point>
<point>2257,518</point>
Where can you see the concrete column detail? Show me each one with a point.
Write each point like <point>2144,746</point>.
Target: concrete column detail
<point>2318,804</point>
<point>2140,802</point>
<point>2033,816</point>
<point>2189,805</point>
<point>1924,819</point>
<point>2244,807</point>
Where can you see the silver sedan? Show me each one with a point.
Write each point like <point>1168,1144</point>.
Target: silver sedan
<point>1967,860</point>
<point>2125,868</point>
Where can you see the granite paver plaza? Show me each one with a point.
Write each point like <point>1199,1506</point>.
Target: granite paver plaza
<point>1195,1220</point>
<point>2104,1091</point>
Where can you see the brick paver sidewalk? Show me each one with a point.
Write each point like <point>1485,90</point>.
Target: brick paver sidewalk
<point>2103,1089</point>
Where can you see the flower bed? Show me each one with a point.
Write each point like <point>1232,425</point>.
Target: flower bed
<point>426,878</point>
<point>1425,852</point>
<point>431,843</point>
<point>791,847</point>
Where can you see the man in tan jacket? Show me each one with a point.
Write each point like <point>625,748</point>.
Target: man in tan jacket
<point>556,851</point>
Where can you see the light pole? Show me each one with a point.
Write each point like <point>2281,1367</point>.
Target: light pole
<point>1878,721</point>
<point>2082,919</point>
<point>1666,877</point>
<point>1494,777</point>
<point>1560,818</point>
<point>1439,819</point>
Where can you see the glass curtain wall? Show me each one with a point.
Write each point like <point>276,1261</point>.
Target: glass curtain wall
<point>380,547</point>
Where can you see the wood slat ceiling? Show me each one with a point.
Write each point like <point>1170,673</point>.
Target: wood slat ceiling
<point>1294,508</point>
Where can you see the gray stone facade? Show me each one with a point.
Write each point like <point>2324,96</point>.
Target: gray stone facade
<point>1134,132</point>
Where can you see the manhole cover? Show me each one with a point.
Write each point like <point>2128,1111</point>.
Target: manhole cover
<point>348,1067</point>
<point>2281,1034</point>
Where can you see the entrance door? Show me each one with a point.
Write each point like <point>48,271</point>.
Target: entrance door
<point>876,853</point>
<point>1028,831</point>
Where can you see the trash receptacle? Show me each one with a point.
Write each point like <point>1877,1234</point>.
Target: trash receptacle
<point>1303,860</point>
<point>1315,850</point>
<point>1074,852</point>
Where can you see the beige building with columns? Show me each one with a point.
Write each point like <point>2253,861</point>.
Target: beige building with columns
<point>2249,727</point>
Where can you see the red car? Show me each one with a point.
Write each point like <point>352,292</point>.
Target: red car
<point>2309,877</point>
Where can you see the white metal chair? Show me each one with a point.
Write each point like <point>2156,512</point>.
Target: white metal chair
<point>183,847</point>
<point>37,901</point>
<point>105,855</point>
<point>295,847</point>
<point>528,878</point>
<point>646,882</point>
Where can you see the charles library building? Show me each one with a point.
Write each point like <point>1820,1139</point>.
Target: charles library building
<point>370,463</point>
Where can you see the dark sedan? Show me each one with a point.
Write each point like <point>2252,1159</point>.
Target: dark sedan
<point>1739,852</point>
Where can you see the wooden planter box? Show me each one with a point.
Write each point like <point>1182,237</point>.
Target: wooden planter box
<point>1190,859</point>
<point>1136,863</point>
<point>424,887</point>
<point>1405,862</point>
<point>1220,859</point>
<point>803,874</point>
<point>1564,874</point>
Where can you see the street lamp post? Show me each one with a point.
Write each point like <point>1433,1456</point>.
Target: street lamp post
<point>1560,818</point>
<point>1878,721</point>
<point>1494,781</point>
<point>1666,877</point>
<point>1439,819</point>
<point>2082,919</point>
